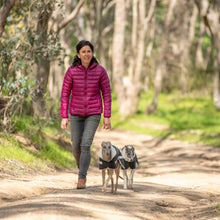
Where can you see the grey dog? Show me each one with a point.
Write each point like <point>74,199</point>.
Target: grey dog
<point>130,161</point>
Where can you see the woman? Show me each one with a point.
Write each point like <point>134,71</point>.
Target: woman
<point>86,81</point>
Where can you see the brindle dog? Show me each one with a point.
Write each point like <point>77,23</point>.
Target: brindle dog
<point>107,157</point>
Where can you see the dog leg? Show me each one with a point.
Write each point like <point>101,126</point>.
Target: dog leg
<point>110,172</point>
<point>116,182</point>
<point>106,183</point>
<point>125,179</point>
<point>112,182</point>
<point>130,180</point>
<point>117,172</point>
<point>103,181</point>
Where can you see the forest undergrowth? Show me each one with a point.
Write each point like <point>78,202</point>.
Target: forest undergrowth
<point>40,144</point>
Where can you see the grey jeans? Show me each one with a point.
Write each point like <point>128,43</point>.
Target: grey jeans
<point>82,133</point>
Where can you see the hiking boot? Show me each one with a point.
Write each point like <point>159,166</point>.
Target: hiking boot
<point>81,184</point>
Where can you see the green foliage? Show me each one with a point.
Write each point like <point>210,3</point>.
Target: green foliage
<point>199,78</point>
<point>188,118</point>
<point>17,94</point>
<point>218,209</point>
<point>36,129</point>
<point>42,135</point>
<point>18,88</point>
<point>12,149</point>
<point>21,45</point>
<point>55,154</point>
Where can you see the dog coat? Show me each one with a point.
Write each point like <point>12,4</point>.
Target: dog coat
<point>129,164</point>
<point>112,164</point>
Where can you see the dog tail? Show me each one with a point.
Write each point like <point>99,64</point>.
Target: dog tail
<point>136,160</point>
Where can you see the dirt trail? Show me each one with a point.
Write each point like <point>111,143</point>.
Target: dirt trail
<point>175,181</point>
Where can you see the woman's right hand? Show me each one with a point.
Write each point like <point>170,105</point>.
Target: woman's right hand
<point>107,123</point>
<point>64,123</point>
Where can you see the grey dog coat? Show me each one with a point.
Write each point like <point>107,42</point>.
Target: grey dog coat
<point>129,164</point>
<point>112,164</point>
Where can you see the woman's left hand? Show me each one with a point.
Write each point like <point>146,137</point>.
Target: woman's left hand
<point>64,123</point>
<point>107,123</point>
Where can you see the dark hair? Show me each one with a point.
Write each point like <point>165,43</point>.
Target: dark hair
<point>80,44</point>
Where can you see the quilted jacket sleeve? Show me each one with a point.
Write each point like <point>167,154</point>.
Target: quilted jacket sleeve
<point>65,94</point>
<point>106,93</point>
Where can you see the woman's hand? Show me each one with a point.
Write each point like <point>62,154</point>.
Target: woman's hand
<point>107,123</point>
<point>64,123</point>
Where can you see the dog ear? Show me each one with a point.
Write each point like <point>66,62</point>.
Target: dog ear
<point>125,147</point>
<point>103,143</point>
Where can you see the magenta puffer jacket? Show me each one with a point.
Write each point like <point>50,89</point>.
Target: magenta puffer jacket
<point>88,86</point>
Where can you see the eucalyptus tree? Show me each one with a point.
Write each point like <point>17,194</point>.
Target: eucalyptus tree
<point>42,59</point>
<point>45,11</point>
<point>6,6</point>
<point>210,13</point>
<point>118,50</point>
<point>31,42</point>
<point>131,68</point>
<point>174,50</point>
<point>13,62</point>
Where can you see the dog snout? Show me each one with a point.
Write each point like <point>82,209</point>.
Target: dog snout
<point>131,154</point>
<point>108,153</point>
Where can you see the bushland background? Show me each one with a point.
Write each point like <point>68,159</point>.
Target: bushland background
<point>163,61</point>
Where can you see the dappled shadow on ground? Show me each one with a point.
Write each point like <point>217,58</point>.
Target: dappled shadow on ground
<point>175,180</point>
<point>171,156</point>
<point>139,203</point>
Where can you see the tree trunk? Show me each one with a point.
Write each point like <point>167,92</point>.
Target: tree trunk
<point>4,12</point>
<point>203,59</point>
<point>55,80</point>
<point>118,50</point>
<point>150,40</point>
<point>57,26</point>
<point>199,54</point>
<point>161,67</point>
<point>133,41</point>
<point>214,18</point>
<point>210,13</point>
<point>216,95</point>
<point>133,92</point>
<point>128,91</point>
<point>186,32</point>
<point>43,63</point>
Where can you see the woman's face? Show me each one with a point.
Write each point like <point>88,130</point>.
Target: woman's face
<point>85,54</point>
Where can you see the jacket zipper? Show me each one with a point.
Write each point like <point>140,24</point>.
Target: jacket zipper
<point>85,94</point>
